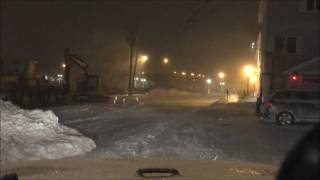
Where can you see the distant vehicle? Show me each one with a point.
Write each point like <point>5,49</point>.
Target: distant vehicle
<point>289,106</point>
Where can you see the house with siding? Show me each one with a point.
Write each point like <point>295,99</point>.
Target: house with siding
<point>288,45</point>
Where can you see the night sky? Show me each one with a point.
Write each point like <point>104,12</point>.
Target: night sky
<point>200,36</point>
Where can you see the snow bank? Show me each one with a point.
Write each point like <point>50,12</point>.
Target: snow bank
<point>169,93</point>
<point>36,134</point>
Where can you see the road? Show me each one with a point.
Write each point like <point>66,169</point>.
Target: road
<point>182,128</point>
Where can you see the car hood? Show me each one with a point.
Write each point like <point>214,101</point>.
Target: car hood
<point>66,169</point>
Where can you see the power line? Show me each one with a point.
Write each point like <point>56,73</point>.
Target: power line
<point>204,17</point>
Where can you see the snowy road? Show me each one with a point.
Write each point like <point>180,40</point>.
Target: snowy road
<point>194,128</point>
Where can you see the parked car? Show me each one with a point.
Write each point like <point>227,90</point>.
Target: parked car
<point>289,106</point>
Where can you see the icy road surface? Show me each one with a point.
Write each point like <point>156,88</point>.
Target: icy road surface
<point>187,129</point>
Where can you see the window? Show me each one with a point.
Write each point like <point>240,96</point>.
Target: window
<point>310,5</point>
<point>284,95</point>
<point>291,44</point>
<point>308,95</point>
<point>285,44</point>
<point>303,96</point>
<point>280,44</point>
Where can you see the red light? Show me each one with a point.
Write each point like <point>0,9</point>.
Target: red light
<point>294,78</point>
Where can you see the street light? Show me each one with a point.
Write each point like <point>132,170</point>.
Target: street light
<point>253,79</point>
<point>59,78</point>
<point>249,71</point>
<point>209,82</point>
<point>136,79</point>
<point>221,75</point>
<point>253,45</point>
<point>143,59</point>
<point>63,65</point>
<point>183,73</point>
<point>165,61</point>
<point>192,74</point>
<point>143,80</point>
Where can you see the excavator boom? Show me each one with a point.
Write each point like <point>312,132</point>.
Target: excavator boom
<point>73,58</point>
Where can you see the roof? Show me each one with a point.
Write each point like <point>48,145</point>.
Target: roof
<point>299,67</point>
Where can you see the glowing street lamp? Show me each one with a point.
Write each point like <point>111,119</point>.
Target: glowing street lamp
<point>253,79</point>
<point>221,75</point>
<point>183,73</point>
<point>143,59</point>
<point>192,74</point>
<point>253,45</point>
<point>249,72</point>
<point>165,61</point>
<point>63,65</point>
<point>143,80</point>
<point>209,82</point>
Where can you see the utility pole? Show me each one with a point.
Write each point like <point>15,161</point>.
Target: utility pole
<point>67,71</point>
<point>248,86</point>
<point>135,63</point>
<point>131,42</point>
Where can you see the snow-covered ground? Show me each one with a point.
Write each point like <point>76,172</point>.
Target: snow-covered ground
<point>37,134</point>
<point>249,99</point>
<point>163,140</point>
<point>165,93</point>
<point>224,131</point>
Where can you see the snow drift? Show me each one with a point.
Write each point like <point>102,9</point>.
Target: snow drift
<point>36,134</point>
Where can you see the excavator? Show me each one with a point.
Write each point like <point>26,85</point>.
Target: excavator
<point>87,89</point>
<point>21,84</point>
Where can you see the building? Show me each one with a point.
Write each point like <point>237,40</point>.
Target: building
<point>288,45</point>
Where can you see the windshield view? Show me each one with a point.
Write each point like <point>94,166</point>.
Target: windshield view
<point>181,89</point>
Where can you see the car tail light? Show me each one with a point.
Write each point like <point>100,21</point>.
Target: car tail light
<point>295,80</point>
<point>294,77</point>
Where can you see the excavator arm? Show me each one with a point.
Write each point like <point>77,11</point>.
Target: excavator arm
<point>87,88</point>
<point>73,58</point>
<point>80,62</point>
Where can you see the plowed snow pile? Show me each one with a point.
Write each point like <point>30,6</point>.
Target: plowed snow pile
<point>36,134</point>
